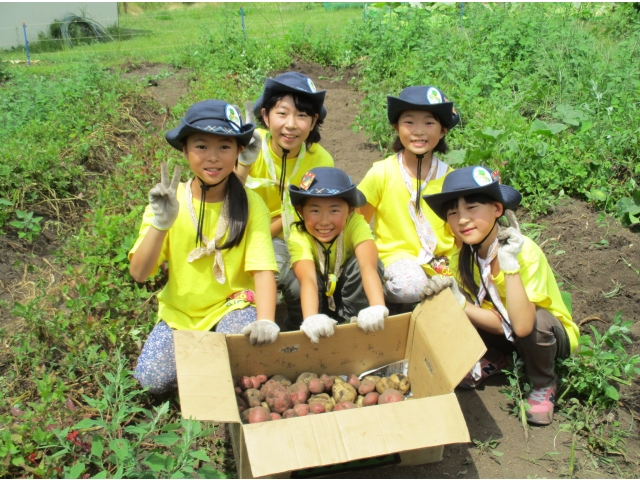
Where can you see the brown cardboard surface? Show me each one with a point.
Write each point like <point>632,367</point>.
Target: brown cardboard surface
<point>349,350</point>
<point>340,437</point>
<point>205,384</point>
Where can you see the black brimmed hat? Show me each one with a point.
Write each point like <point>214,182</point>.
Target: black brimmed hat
<point>291,82</point>
<point>468,181</point>
<point>428,99</point>
<point>327,182</point>
<point>211,116</point>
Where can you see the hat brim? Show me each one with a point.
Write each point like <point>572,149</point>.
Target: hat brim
<point>176,136</point>
<point>272,86</point>
<point>354,197</point>
<point>508,196</point>
<point>395,106</point>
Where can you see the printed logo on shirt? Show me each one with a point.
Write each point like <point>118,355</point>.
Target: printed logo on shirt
<point>482,176</point>
<point>233,117</point>
<point>312,87</point>
<point>433,96</point>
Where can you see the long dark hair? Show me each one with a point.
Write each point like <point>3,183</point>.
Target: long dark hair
<point>466,258</point>
<point>238,211</point>
<point>441,147</point>
<point>303,104</point>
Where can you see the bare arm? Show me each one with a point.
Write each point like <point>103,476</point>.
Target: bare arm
<point>367,211</point>
<point>367,255</point>
<point>484,319</point>
<point>522,312</point>
<point>266,292</point>
<point>276,226</point>
<point>305,271</point>
<point>145,258</point>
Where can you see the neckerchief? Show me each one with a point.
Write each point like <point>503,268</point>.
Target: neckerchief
<point>428,239</point>
<point>324,256</point>
<point>485,273</point>
<point>287,211</point>
<point>210,247</point>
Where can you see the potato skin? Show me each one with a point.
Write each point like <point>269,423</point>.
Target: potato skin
<point>266,388</point>
<point>275,416</point>
<point>323,399</point>
<point>390,396</point>
<point>373,378</point>
<point>370,398</point>
<point>316,386</point>
<point>302,410</point>
<point>344,406</point>
<point>262,378</point>
<point>290,413</point>
<point>245,383</point>
<point>367,386</point>
<point>344,392</point>
<point>305,377</point>
<point>401,382</point>
<point>259,415</point>
<point>252,397</point>
<point>299,393</point>
<point>315,408</point>
<point>383,385</point>
<point>255,382</point>
<point>353,380</point>
<point>359,401</point>
<point>279,399</point>
<point>242,405</point>
<point>328,381</point>
<point>282,380</point>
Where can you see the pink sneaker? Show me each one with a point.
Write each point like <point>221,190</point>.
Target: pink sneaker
<point>541,401</point>
<point>487,368</point>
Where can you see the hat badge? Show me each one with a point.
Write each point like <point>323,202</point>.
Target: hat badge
<point>233,117</point>
<point>434,96</point>
<point>312,86</point>
<point>482,176</point>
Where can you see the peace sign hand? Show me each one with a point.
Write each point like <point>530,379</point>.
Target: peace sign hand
<point>249,155</point>
<point>162,199</point>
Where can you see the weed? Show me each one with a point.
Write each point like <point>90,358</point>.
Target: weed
<point>517,391</point>
<point>27,225</point>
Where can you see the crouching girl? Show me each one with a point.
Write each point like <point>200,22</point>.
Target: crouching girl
<point>509,291</point>
<point>336,274</point>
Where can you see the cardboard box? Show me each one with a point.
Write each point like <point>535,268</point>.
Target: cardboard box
<point>437,339</point>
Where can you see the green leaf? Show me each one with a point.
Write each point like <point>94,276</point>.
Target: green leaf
<point>611,392</point>
<point>209,472</point>
<point>84,423</point>
<point>568,301</point>
<point>155,462</point>
<point>102,474</point>
<point>120,447</point>
<point>490,134</point>
<point>76,470</point>
<point>497,453</point>
<point>177,474</point>
<point>200,455</point>
<point>455,157</point>
<point>166,439</point>
<point>97,449</point>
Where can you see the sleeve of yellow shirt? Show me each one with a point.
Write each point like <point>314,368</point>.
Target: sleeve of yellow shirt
<point>370,185</point>
<point>357,231</point>
<point>300,247</point>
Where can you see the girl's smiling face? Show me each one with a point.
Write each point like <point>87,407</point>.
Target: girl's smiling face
<point>325,218</point>
<point>472,221</point>
<point>211,157</point>
<point>289,127</point>
<point>419,131</point>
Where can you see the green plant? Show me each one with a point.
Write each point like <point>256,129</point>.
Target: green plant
<point>628,209</point>
<point>517,390</point>
<point>27,225</point>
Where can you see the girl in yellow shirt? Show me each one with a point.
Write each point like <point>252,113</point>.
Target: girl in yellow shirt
<point>290,111</point>
<point>413,242</point>
<point>215,236</point>
<point>510,293</point>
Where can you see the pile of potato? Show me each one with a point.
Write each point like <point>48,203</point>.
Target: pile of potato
<point>262,400</point>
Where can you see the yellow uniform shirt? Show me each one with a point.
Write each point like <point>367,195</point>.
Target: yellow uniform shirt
<point>302,246</point>
<point>395,232</point>
<point>192,299</point>
<point>316,156</point>
<point>539,283</point>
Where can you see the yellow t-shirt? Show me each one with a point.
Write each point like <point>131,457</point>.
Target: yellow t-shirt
<point>193,299</point>
<point>316,156</point>
<point>396,235</point>
<point>302,245</point>
<point>539,284</point>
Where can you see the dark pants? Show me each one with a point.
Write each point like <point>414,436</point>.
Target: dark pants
<point>349,296</point>
<point>539,350</point>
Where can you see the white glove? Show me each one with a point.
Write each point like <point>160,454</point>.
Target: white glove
<point>317,326</point>
<point>249,155</point>
<point>511,218</point>
<point>262,331</point>
<point>372,318</point>
<point>162,199</point>
<point>437,283</point>
<point>510,245</point>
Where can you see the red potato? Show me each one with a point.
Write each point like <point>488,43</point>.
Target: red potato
<point>282,380</point>
<point>255,383</point>
<point>328,381</point>
<point>265,389</point>
<point>279,399</point>
<point>302,410</point>
<point>244,416</point>
<point>275,416</point>
<point>259,415</point>
<point>252,397</point>
<point>245,383</point>
<point>262,378</point>
<point>316,386</point>
<point>299,393</point>
<point>344,406</point>
<point>291,413</point>
<point>316,408</point>
<point>305,377</point>
<point>353,380</point>
<point>238,390</point>
<point>370,398</point>
<point>366,386</point>
<point>390,396</point>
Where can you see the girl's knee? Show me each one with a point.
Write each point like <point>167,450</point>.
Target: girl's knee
<point>405,281</point>
<point>235,321</point>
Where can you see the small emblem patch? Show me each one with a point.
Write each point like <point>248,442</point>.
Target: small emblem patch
<point>495,175</point>
<point>312,86</point>
<point>307,180</point>
<point>482,176</point>
<point>433,96</point>
<point>234,118</point>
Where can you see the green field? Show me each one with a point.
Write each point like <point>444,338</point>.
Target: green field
<point>548,93</point>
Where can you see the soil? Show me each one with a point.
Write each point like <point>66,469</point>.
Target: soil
<point>597,260</point>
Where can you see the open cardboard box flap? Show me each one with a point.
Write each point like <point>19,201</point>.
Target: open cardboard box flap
<point>437,339</point>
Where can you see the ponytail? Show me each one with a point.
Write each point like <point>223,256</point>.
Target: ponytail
<point>238,211</point>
